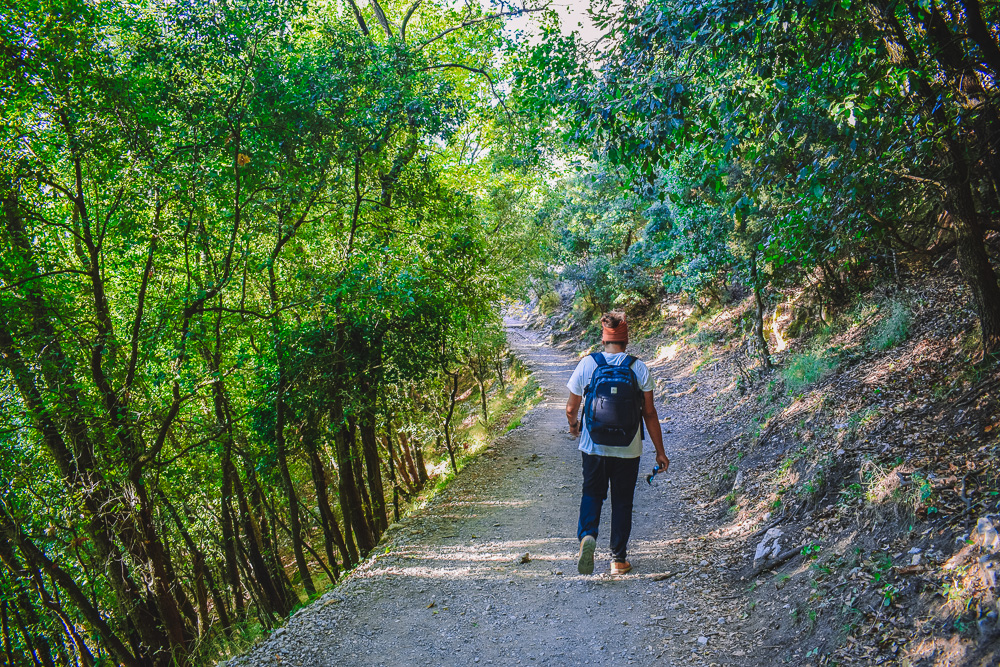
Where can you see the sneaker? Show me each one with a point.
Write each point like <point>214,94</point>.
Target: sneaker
<point>585,563</point>
<point>620,567</point>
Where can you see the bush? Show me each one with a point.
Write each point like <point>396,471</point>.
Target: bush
<point>894,328</point>
<point>804,369</point>
<point>549,303</point>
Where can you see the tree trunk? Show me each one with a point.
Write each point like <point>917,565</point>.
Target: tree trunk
<point>274,600</point>
<point>418,460</point>
<point>350,496</point>
<point>973,260</point>
<point>392,476</point>
<point>447,422</point>
<point>359,476</point>
<point>177,591</point>
<point>229,535</point>
<point>12,537</point>
<point>328,520</point>
<point>401,474</point>
<point>412,472</point>
<point>369,446</point>
<point>482,400</point>
<point>5,630</point>
<point>66,436</point>
<point>498,366</point>
<point>291,498</point>
<point>37,644</point>
<point>974,264</point>
<point>79,473</point>
<point>223,419</point>
<point>758,315</point>
<point>203,575</point>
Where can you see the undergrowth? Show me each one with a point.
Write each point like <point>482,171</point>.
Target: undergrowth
<point>894,327</point>
<point>804,369</point>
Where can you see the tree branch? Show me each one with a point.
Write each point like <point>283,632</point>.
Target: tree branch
<point>475,70</point>
<point>406,19</point>
<point>380,16</point>
<point>481,19</point>
<point>10,286</point>
<point>982,35</point>
<point>359,18</point>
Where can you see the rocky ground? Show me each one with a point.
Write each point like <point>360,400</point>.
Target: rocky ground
<point>486,572</point>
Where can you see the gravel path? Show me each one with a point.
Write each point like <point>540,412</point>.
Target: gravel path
<point>450,588</point>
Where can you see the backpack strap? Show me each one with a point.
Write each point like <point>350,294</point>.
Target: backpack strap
<point>600,361</point>
<point>628,361</point>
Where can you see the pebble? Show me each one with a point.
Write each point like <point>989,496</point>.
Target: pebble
<point>702,640</point>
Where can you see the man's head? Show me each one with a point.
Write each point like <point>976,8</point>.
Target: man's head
<point>614,329</point>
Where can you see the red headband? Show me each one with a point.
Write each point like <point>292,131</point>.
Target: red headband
<point>618,334</point>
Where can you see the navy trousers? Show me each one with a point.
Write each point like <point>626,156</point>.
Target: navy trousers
<point>598,473</point>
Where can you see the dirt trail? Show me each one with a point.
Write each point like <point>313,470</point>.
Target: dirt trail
<point>450,587</point>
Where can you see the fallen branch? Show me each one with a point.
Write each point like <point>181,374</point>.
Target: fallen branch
<point>768,527</point>
<point>766,435</point>
<point>775,562</point>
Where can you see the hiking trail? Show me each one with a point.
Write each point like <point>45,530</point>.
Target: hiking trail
<point>448,585</point>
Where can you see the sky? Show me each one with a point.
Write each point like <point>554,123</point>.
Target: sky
<point>573,15</point>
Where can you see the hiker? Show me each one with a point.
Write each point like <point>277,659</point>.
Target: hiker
<point>618,404</point>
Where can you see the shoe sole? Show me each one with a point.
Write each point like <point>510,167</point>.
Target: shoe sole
<point>613,571</point>
<point>585,564</point>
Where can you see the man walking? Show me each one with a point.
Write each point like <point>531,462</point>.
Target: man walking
<point>619,391</point>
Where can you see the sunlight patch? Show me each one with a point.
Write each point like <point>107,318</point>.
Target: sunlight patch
<point>668,352</point>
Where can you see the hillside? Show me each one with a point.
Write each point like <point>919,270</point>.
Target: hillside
<point>857,484</point>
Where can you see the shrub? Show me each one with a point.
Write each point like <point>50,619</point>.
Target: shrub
<point>549,303</point>
<point>804,369</point>
<point>894,328</point>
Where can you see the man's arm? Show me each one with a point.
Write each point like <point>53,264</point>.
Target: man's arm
<point>652,421</point>
<point>572,408</point>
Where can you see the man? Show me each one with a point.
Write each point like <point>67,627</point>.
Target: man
<point>604,465</point>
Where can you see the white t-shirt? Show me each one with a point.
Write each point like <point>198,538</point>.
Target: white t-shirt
<point>579,381</point>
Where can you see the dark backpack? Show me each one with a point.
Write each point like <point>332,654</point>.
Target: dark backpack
<point>613,406</point>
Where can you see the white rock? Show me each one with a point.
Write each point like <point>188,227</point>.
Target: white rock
<point>986,534</point>
<point>765,544</point>
<point>702,640</point>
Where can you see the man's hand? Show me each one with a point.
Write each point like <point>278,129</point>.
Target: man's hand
<point>663,462</point>
<point>572,410</point>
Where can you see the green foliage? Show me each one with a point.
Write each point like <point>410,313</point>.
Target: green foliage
<point>243,246</point>
<point>894,327</point>
<point>791,142</point>
<point>549,303</point>
<point>804,369</point>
